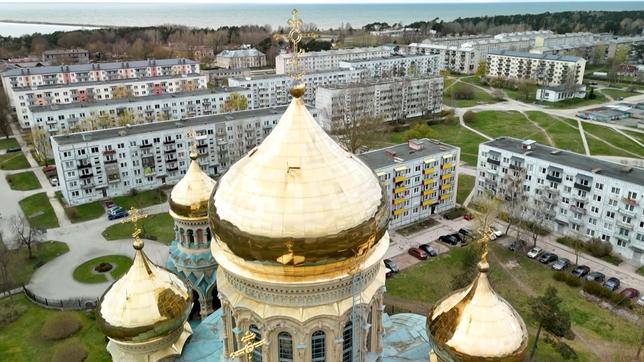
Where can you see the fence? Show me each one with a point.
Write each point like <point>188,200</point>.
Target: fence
<point>69,304</point>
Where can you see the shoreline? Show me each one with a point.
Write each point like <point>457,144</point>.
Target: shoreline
<point>96,26</point>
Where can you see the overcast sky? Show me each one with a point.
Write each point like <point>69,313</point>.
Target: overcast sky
<point>302,1</point>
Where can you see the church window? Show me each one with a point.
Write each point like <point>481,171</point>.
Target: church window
<point>257,352</point>
<point>285,343</point>
<point>317,346</point>
<point>347,344</point>
<point>200,235</point>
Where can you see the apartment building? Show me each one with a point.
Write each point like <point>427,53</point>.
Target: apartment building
<point>575,195</point>
<point>545,69</point>
<point>462,59</point>
<point>419,178</point>
<point>246,57</point>
<point>273,90</point>
<point>66,56</point>
<point>327,59</point>
<point>521,40</point>
<point>113,112</point>
<point>389,98</point>
<point>397,66</point>
<point>111,162</point>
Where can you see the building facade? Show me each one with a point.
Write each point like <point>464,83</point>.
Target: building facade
<point>66,56</point>
<point>246,57</point>
<point>575,195</point>
<point>545,69</point>
<point>419,178</point>
<point>327,59</point>
<point>459,59</point>
<point>397,66</point>
<point>107,163</point>
<point>392,99</point>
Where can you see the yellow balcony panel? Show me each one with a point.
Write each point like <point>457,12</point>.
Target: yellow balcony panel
<point>399,200</point>
<point>446,186</point>
<point>428,202</point>
<point>447,165</point>
<point>399,178</point>
<point>446,176</point>
<point>400,168</point>
<point>399,211</point>
<point>428,192</point>
<point>428,181</point>
<point>399,189</point>
<point>428,171</point>
<point>445,197</point>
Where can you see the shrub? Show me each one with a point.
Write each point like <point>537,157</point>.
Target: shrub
<point>597,290</point>
<point>598,248</point>
<point>71,212</point>
<point>468,117</point>
<point>464,92</point>
<point>60,325</point>
<point>9,312</point>
<point>451,120</point>
<point>455,213</point>
<point>70,352</point>
<point>567,278</point>
<point>559,276</point>
<point>565,350</point>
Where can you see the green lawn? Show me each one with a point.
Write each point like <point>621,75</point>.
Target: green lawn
<point>577,102</point>
<point>428,281</point>
<point>614,138</point>
<point>84,212</point>
<point>157,227</point>
<point>637,135</point>
<point>84,272</point>
<point>465,186</point>
<point>141,199</point>
<point>13,161</point>
<point>8,143</point>
<point>616,93</point>
<point>38,210</point>
<point>21,268</point>
<point>564,135</point>
<point>20,341</point>
<point>23,181</point>
<point>640,270</point>
<point>507,123</point>
<point>480,97</point>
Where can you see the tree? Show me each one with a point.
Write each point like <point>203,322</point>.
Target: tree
<point>468,117</point>
<point>5,258</point>
<point>481,69</point>
<point>235,102</point>
<point>420,130</point>
<point>42,144</point>
<point>355,134</point>
<point>26,235</point>
<point>527,89</point>
<point>444,72</point>
<point>5,114</point>
<point>121,91</point>
<point>513,196</point>
<point>545,310</point>
<point>125,117</point>
<point>469,268</point>
<point>598,53</point>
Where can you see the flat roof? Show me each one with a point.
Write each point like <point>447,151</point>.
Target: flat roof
<point>383,157</point>
<point>111,81</point>
<point>117,132</point>
<point>514,53</point>
<point>571,159</point>
<point>286,76</point>
<point>338,51</point>
<point>395,56</point>
<point>378,81</point>
<point>103,66</point>
<point>133,100</point>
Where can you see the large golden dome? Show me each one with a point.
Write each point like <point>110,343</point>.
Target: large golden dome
<point>145,303</point>
<point>189,197</point>
<point>476,324</point>
<point>298,198</point>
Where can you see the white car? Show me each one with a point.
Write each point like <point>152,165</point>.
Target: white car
<point>496,233</point>
<point>534,252</point>
<point>640,301</point>
<point>54,181</point>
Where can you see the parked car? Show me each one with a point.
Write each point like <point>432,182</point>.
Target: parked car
<point>468,217</point>
<point>391,265</point>
<point>465,232</point>
<point>117,214</point>
<point>496,233</point>
<point>49,170</point>
<point>517,245</point>
<point>113,208</point>
<point>580,271</point>
<point>458,237</point>
<point>14,149</point>
<point>448,239</point>
<point>428,249</point>
<point>640,301</point>
<point>611,283</point>
<point>417,253</point>
<point>53,181</point>
<point>560,264</point>
<point>595,277</point>
<point>388,272</point>
<point>630,293</point>
<point>547,258</point>
<point>534,252</point>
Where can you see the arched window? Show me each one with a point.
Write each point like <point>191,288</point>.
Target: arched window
<point>285,344</point>
<point>347,343</point>
<point>208,235</point>
<point>318,346</point>
<point>369,324</point>
<point>191,236</point>
<point>200,236</point>
<point>183,235</point>
<point>257,352</point>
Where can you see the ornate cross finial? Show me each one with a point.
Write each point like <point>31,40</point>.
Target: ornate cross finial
<point>486,236</point>
<point>192,137</point>
<point>295,36</point>
<point>134,216</point>
<point>249,345</point>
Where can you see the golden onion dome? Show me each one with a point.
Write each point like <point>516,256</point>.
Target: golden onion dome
<point>145,303</point>
<point>298,198</point>
<point>189,197</point>
<point>476,324</point>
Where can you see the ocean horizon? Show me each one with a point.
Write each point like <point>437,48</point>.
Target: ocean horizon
<point>201,15</point>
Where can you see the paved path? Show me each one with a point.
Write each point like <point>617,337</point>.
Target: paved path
<point>460,119</point>
<point>582,133</point>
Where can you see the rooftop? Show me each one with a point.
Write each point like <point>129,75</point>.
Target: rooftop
<point>395,56</point>
<point>337,51</point>
<point>133,100</point>
<point>65,51</point>
<point>378,81</point>
<point>397,154</point>
<point>119,132</point>
<point>513,53</point>
<point>580,162</point>
<point>99,66</point>
<point>233,53</point>
<point>111,81</point>
<point>288,77</point>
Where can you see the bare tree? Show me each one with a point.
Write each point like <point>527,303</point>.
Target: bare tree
<point>356,121</point>
<point>512,194</point>
<point>5,277</point>
<point>5,114</point>
<point>42,144</point>
<point>26,235</point>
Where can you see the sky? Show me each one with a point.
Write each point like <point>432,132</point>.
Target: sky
<point>301,1</point>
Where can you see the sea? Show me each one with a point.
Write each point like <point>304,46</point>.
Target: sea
<point>72,16</point>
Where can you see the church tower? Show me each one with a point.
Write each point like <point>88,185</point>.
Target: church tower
<point>190,255</point>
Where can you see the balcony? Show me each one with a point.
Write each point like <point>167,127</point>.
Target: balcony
<point>631,202</point>
<point>428,181</point>
<point>398,211</point>
<point>446,176</point>
<point>553,178</point>
<point>626,212</point>
<point>624,225</point>
<point>428,202</point>
<point>109,152</point>
<point>578,209</point>
<point>447,165</point>
<point>169,150</point>
<point>147,145</point>
<point>170,169</point>
<point>581,187</point>
<point>398,190</point>
<point>86,175</point>
<point>169,142</point>
<point>399,179</point>
<point>493,161</point>
<point>202,145</point>
<point>86,185</point>
<point>399,201</point>
<point>84,165</point>
<point>446,196</point>
<point>108,162</point>
<point>428,192</point>
<point>171,159</point>
<point>428,171</point>
<point>446,186</point>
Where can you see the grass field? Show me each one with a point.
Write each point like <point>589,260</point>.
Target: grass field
<point>614,138</point>
<point>576,102</point>
<point>23,181</point>
<point>84,272</point>
<point>39,211</point>
<point>8,143</point>
<point>157,227</point>
<point>616,93</point>
<point>84,212</point>
<point>515,277</point>
<point>480,97</point>
<point>13,161</point>
<point>564,134</point>
<point>21,341</point>
<point>637,135</point>
<point>21,268</point>
<point>510,123</point>
<point>465,186</point>
<point>141,199</point>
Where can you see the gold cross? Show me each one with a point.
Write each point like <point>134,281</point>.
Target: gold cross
<point>248,340</point>
<point>134,216</point>
<point>295,36</point>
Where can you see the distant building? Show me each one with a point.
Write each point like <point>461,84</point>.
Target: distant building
<point>246,57</point>
<point>390,98</point>
<point>326,60</point>
<point>397,66</point>
<point>560,93</point>
<point>216,75</point>
<point>604,114</point>
<point>66,56</point>
<point>461,59</point>
<point>544,69</point>
<point>419,178</point>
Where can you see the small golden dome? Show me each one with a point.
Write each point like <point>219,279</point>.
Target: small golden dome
<point>145,303</point>
<point>189,197</point>
<point>298,199</point>
<point>476,324</point>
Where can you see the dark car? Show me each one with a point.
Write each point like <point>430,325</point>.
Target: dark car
<point>611,283</point>
<point>391,265</point>
<point>117,213</point>
<point>388,272</point>
<point>428,249</point>
<point>458,237</point>
<point>595,277</point>
<point>448,239</point>
<point>517,245</point>
<point>630,293</point>
<point>417,253</point>
<point>560,264</point>
<point>547,258</point>
<point>465,232</point>
<point>580,271</point>
<point>14,149</point>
